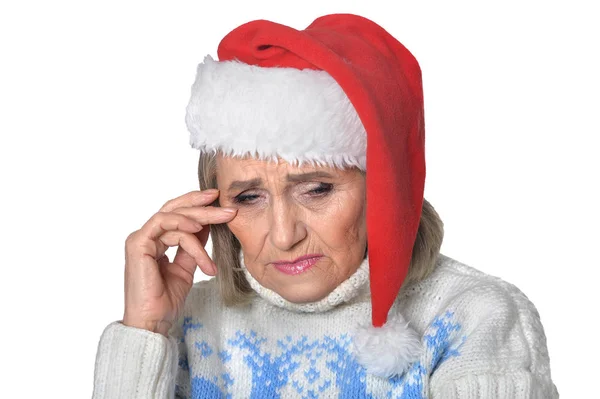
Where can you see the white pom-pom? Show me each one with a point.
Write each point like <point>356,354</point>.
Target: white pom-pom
<point>388,350</point>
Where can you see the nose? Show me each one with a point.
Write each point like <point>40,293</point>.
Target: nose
<point>287,228</point>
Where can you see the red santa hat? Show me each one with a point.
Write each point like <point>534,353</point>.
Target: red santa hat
<point>342,92</point>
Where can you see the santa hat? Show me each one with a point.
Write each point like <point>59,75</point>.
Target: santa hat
<point>342,92</point>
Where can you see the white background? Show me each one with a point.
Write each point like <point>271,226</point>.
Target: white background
<point>92,104</point>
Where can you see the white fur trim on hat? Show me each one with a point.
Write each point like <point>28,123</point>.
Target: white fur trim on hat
<point>388,350</point>
<point>302,116</point>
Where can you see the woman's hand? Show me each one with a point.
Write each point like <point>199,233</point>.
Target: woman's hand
<point>156,289</point>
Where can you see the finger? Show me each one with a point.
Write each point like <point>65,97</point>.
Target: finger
<point>193,198</point>
<point>203,234</point>
<point>137,244</point>
<point>191,245</point>
<point>162,261</point>
<point>162,222</point>
<point>208,214</point>
<point>188,262</point>
<point>176,269</point>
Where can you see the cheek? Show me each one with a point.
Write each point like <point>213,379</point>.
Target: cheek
<point>249,228</point>
<point>340,221</point>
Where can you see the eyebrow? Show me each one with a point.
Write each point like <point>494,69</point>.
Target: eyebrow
<point>243,185</point>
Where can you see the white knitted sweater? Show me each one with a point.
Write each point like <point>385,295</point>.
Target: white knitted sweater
<point>482,337</point>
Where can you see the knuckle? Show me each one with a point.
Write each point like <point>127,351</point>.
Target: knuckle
<point>170,238</point>
<point>158,218</point>
<point>186,239</point>
<point>167,205</point>
<point>160,215</point>
<point>131,237</point>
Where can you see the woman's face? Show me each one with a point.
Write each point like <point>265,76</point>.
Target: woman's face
<point>288,212</point>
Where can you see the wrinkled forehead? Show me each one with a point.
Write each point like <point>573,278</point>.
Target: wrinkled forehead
<point>228,165</point>
<point>230,168</point>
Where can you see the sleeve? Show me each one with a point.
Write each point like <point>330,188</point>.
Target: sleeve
<point>504,352</point>
<point>136,363</point>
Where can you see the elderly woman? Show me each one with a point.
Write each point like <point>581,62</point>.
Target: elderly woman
<point>328,277</point>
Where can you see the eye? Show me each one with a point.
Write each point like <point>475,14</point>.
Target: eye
<point>322,189</point>
<point>245,198</point>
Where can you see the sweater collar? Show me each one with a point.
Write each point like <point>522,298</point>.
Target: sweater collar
<point>347,290</point>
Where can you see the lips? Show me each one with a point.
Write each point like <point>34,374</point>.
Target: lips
<point>297,266</point>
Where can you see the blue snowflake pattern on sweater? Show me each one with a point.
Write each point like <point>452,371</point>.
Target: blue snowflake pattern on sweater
<point>312,368</point>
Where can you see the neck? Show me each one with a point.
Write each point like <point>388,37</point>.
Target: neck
<point>347,290</point>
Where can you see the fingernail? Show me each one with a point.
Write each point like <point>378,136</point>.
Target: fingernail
<point>229,210</point>
<point>210,191</point>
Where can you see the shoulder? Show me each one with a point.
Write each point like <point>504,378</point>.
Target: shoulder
<point>453,282</point>
<point>496,330</point>
<point>484,301</point>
